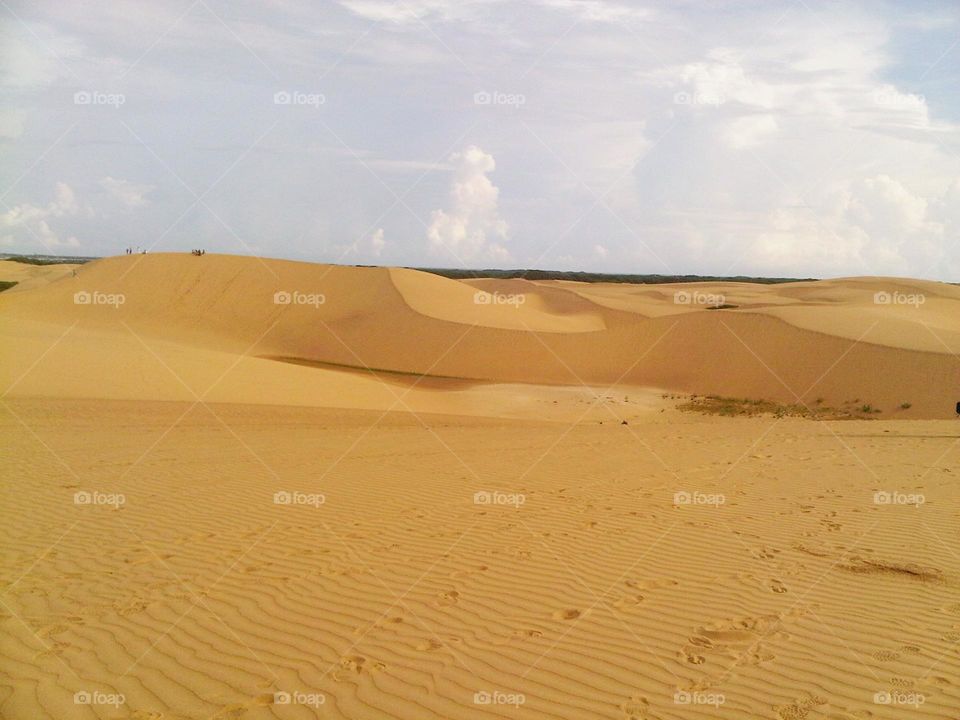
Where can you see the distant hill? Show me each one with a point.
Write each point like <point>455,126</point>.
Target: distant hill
<point>588,277</point>
<point>47,259</point>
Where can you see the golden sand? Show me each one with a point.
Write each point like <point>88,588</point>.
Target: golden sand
<point>400,502</point>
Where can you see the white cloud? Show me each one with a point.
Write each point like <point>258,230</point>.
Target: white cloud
<point>377,243</point>
<point>127,193</point>
<point>599,10</point>
<point>472,229</point>
<point>33,55</point>
<point>750,131</point>
<point>404,12</point>
<point>370,246</point>
<point>34,219</point>
<point>874,226</point>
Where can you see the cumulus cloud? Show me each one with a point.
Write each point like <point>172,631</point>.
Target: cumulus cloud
<point>35,219</point>
<point>127,193</point>
<point>472,228</point>
<point>31,223</point>
<point>876,225</point>
<point>370,246</point>
<point>377,243</point>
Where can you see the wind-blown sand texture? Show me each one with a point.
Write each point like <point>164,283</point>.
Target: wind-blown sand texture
<point>636,561</point>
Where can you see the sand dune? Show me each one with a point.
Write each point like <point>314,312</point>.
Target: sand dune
<point>251,488</point>
<point>32,276</point>
<point>802,342</point>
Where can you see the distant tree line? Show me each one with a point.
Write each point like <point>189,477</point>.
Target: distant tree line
<point>589,277</point>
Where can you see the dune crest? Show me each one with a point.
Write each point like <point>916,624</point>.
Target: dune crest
<point>813,342</point>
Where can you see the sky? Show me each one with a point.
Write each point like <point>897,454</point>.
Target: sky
<point>735,137</point>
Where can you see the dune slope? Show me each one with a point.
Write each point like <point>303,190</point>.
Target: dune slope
<point>804,342</point>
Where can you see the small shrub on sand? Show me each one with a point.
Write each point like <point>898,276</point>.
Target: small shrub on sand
<point>747,407</point>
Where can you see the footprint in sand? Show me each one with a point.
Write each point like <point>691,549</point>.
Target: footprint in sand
<point>440,642</point>
<point>450,597</point>
<point>354,663</point>
<point>430,645</point>
<point>650,584</point>
<point>636,708</point>
<point>700,641</point>
<point>628,601</point>
<point>527,634</point>
<point>390,623</point>
<point>568,614</point>
<point>764,553</point>
<point>891,655</point>
<point>800,709</point>
<point>690,655</point>
<point>777,586</point>
<point>465,573</point>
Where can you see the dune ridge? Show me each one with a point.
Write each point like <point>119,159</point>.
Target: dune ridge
<point>825,341</point>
